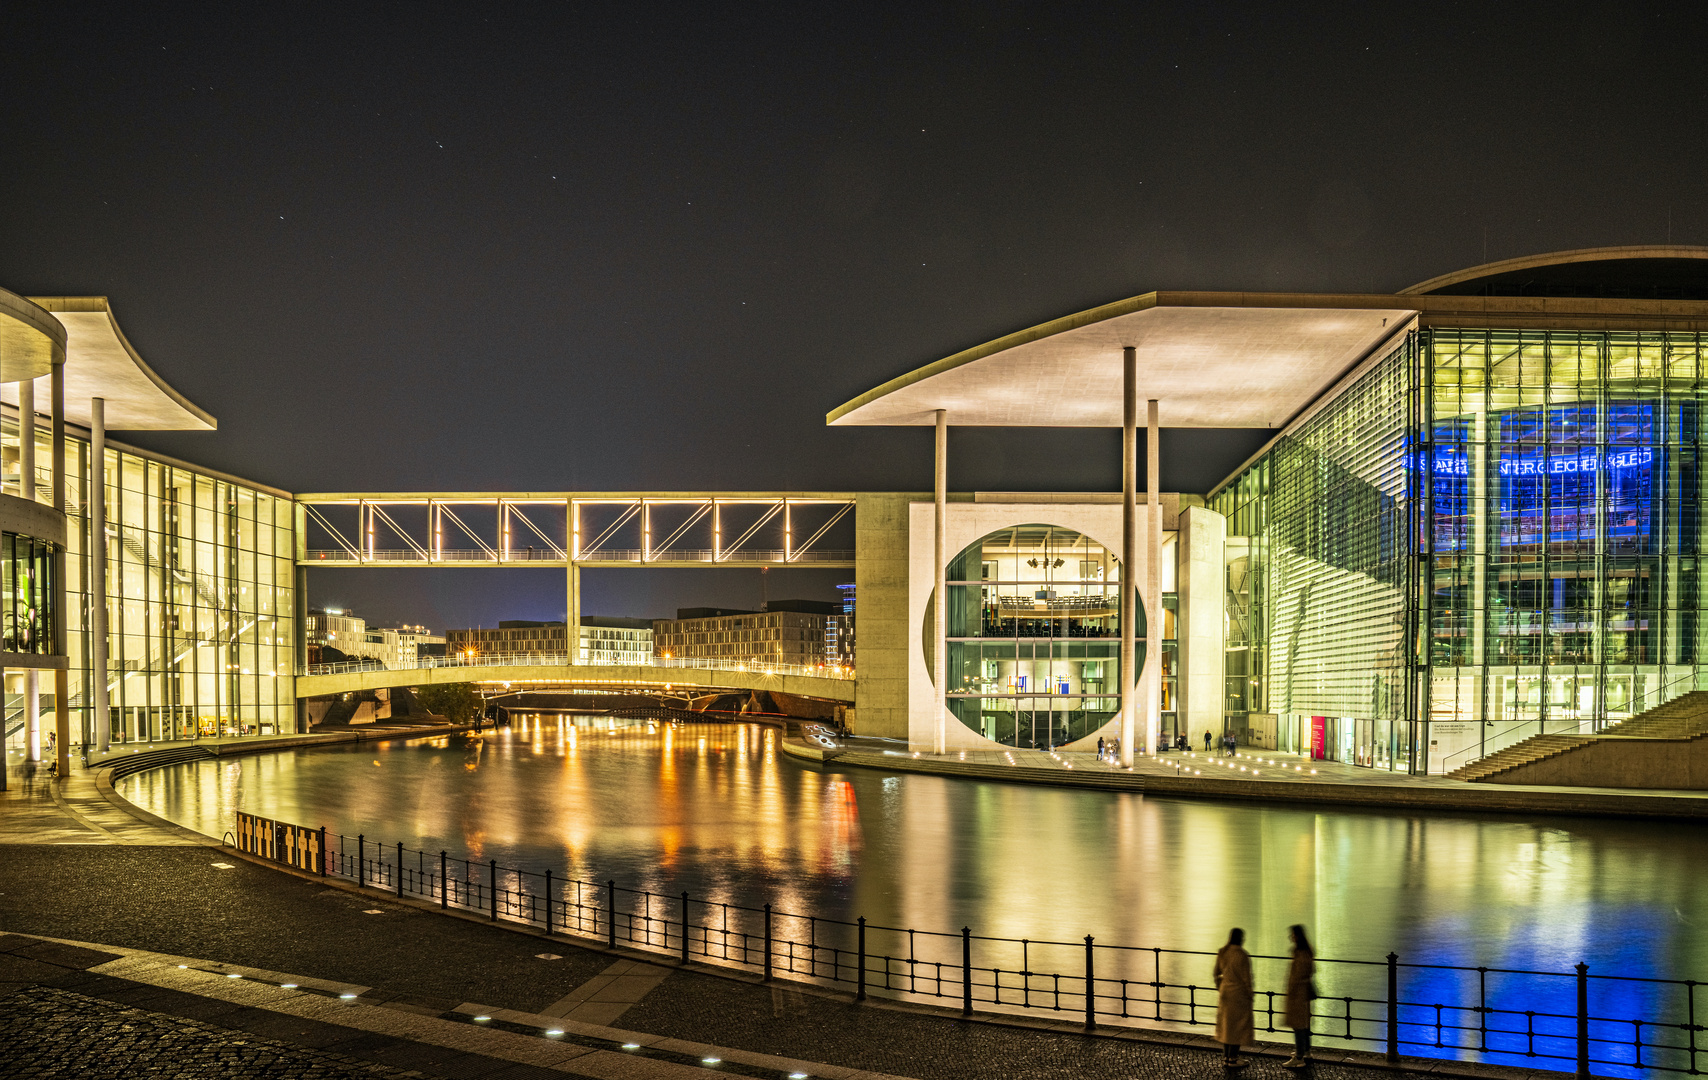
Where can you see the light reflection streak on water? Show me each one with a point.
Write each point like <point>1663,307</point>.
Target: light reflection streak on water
<point>719,811</point>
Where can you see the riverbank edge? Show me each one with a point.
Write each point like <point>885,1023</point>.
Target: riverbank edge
<point>107,789</point>
<point>1501,799</point>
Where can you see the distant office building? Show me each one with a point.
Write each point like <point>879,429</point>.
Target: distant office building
<point>839,631</point>
<point>605,639</point>
<point>353,639</point>
<point>788,632</point>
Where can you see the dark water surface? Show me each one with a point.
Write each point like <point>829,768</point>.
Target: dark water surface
<point>720,812</point>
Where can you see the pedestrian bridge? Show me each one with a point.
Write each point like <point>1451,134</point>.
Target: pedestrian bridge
<point>553,670</point>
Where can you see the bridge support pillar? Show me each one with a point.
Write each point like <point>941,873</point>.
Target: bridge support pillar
<point>572,612</point>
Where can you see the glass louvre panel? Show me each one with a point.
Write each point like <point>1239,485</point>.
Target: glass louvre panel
<point>1317,549</point>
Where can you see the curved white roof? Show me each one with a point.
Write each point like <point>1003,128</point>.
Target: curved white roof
<point>1211,360</point>
<point>99,362</point>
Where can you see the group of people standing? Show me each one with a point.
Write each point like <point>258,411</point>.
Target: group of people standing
<point>1109,750</point>
<point>1235,991</point>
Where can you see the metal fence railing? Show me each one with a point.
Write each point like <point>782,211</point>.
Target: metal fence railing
<point>1582,1020</point>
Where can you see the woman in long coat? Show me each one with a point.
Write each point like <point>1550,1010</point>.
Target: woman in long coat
<point>1300,991</point>
<point>1233,998</point>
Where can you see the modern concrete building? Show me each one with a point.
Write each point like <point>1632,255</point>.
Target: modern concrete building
<point>605,639</point>
<point>1478,519</point>
<point>352,637</point>
<point>790,632</point>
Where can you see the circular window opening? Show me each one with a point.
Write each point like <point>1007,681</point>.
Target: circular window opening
<point>1034,636</point>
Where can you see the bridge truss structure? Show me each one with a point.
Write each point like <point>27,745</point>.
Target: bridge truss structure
<point>576,529</point>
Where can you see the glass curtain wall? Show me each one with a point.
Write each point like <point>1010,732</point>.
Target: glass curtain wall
<point>1034,636</point>
<point>200,582</point>
<point>200,596</point>
<point>1566,491</point>
<point>1317,576</point>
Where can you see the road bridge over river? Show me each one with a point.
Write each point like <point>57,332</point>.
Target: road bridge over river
<point>541,671</point>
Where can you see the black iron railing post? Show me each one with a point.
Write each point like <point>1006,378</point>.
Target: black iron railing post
<point>361,857</point>
<point>1583,1022</point>
<point>549,903</point>
<point>400,869</point>
<point>860,982</point>
<point>611,910</point>
<point>323,851</point>
<point>966,971</point>
<point>494,880</point>
<point>684,927</point>
<point>1090,986</point>
<point>1393,1008</point>
<point>444,883</point>
<point>767,942</point>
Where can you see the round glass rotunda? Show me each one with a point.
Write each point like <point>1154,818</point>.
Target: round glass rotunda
<point>1034,636</point>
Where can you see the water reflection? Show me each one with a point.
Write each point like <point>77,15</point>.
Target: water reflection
<point>719,811</point>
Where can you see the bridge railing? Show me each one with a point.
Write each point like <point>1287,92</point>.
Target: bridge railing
<point>1617,1025</point>
<point>558,659</point>
<point>603,555</point>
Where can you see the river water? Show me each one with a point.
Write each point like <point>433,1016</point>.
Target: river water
<point>719,811</point>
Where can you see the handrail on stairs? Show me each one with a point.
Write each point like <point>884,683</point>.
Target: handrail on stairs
<point>1668,693</point>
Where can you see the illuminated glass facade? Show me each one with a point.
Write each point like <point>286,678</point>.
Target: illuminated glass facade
<point>1511,516</point>
<point>1034,636</point>
<point>1563,532</point>
<point>200,598</point>
<point>200,582</point>
<point>26,595</point>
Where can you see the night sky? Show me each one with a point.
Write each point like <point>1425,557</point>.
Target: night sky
<point>554,247</point>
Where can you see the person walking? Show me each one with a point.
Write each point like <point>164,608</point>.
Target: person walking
<point>1233,998</point>
<point>1099,748</point>
<point>1301,989</point>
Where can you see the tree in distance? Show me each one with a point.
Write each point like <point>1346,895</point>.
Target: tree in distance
<point>460,703</point>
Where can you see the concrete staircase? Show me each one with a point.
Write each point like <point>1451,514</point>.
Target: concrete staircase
<point>1684,717</point>
<point>1532,749</point>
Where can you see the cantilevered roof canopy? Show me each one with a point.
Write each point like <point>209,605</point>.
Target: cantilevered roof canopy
<point>99,362</point>
<point>1212,360</point>
<point>30,339</point>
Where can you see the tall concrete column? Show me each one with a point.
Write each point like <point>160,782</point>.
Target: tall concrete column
<point>98,572</point>
<point>1153,578</point>
<point>1129,550</point>
<point>940,587</point>
<point>61,676</point>
<point>27,490</point>
<point>572,612</point>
